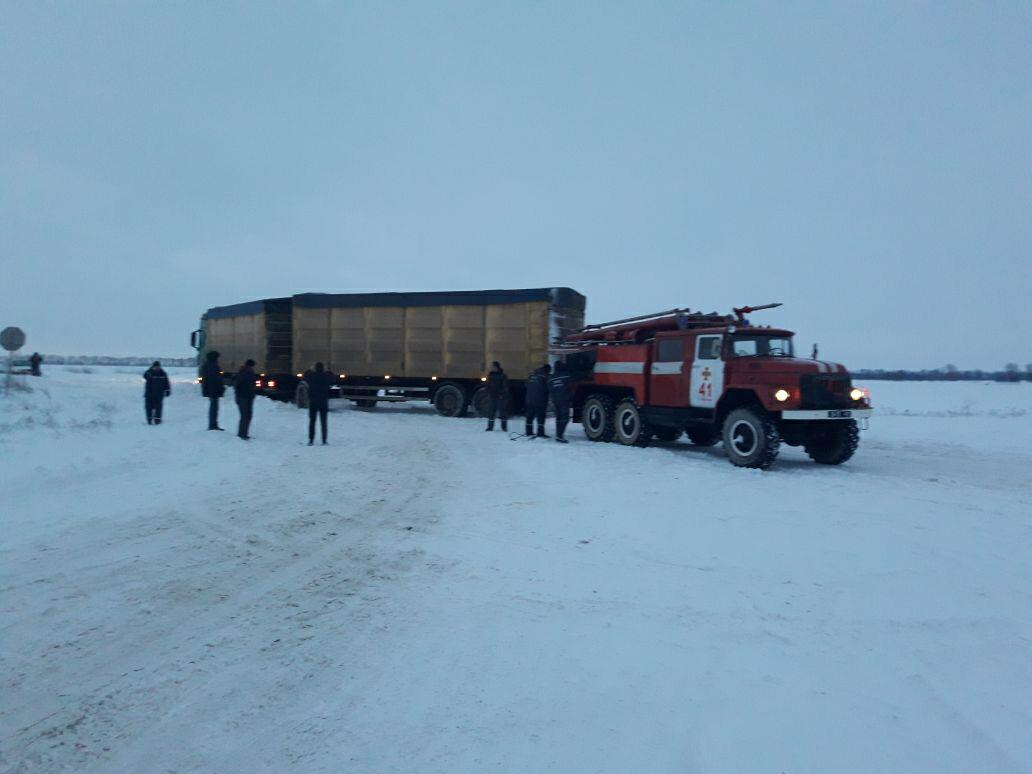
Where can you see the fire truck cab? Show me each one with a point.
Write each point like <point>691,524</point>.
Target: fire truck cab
<point>714,377</point>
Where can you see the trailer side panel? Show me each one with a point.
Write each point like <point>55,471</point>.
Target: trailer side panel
<point>420,335</point>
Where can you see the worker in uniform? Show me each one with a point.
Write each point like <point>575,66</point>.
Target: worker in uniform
<point>319,382</point>
<point>562,398</point>
<point>498,397</point>
<point>537,400</point>
<point>34,362</point>
<point>156,388</point>
<point>244,390</point>
<point>212,388</point>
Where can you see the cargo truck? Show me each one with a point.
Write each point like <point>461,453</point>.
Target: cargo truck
<point>259,330</point>
<point>391,347</point>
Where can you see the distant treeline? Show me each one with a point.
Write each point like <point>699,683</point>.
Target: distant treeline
<point>1010,373</point>
<point>103,360</point>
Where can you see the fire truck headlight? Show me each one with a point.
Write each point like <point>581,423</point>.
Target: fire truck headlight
<point>272,383</point>
<point>859,393</point>
<point>782,395</point>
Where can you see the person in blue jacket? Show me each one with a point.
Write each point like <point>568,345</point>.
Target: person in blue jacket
<point>156,388</point>
<point>319,382</point>
<point>497,396</point>
<point>537,400</point>
<point>212,387</point>
<point>562,399</point>
<point>245,389</point>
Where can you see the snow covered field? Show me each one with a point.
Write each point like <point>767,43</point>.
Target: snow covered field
<point>421,596</point>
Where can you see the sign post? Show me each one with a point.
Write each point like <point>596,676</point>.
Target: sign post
<point>12,339</point>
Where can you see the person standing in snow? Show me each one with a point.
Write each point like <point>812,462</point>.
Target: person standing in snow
<point>34,362</point>
<point>562,397</point>
<point>537,400</point>
<point>319,383</point>
<point>156,388</point>
<point>244,389</point>
<point>498,397</point>
<point>212,388</point>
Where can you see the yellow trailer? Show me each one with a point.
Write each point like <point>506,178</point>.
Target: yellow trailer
<point>434,346</point>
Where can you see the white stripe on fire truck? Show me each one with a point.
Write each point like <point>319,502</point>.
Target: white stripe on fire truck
<point>619,368</point>
<point>667,368</point>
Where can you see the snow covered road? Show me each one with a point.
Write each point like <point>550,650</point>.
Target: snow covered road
<point>422,596</point>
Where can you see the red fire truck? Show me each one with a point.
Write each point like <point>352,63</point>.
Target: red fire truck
<point>714,377</point>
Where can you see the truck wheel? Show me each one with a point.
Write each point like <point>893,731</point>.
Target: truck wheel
<point>750,439</point>
<point>836,443</point>
<point>629,426</point>
<point>481,402</point>
<point>667,434</point>
<point>597,418</point>
<point>364,403</point>
<point>704,436</point>
<point>450,400</point>
<point>301,396</point>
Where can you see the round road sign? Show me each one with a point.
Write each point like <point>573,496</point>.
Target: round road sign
<point>12,339</point>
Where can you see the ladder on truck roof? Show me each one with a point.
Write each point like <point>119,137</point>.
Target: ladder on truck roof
<point>635,330</point>
<point>631,329</point>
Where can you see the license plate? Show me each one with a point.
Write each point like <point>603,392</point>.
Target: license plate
<point>840,414</point>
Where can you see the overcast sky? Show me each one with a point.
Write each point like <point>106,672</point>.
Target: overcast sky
<point>868,164</point>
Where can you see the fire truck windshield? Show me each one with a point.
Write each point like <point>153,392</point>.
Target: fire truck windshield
<point>757,345</point>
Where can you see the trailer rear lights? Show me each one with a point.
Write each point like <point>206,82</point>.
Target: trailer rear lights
<point>782,395</point>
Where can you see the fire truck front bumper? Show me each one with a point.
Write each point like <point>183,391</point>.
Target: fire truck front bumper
<point>809,415</point>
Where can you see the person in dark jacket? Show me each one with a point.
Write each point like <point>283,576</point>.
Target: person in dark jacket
<point>537,400</point>
<point>212,388</point>
<point>498,397</point>
<point>156,388</point>
<point>562,397</point>
<point>245,389</point>
<point>34,362</point>
<point>319,382</point>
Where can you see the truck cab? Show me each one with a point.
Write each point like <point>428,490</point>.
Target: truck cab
<point>713,377</point>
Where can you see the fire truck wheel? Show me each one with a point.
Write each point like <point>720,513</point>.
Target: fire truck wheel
<point>597,418</point>
<point>837,443</point>
<point>301,396</point>
<point>667,434</point>
<point>703,436</point>
<point>481,402</point>
<point>365,403</point>
<point>629,426</point>
<point>750,439</point>
<point>450,400</point>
